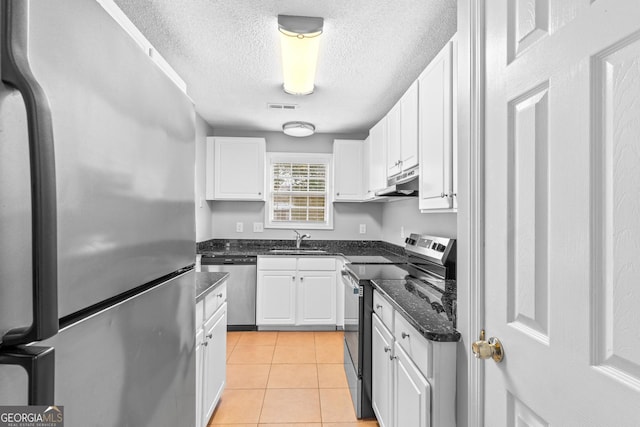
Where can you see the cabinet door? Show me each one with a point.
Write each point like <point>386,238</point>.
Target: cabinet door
<point>378,156</point>
<point>215,362</point>
<point>238,168</point>
<point>382,373</point>
<point>347,166</point>
<point>366,165</point>
<point>276,298</point>
<point>409,127</point>
<point>317,300</point>
<point>412,406</point>
<point>199,377</point>
<point>394,140</point>
<point>436,127</point>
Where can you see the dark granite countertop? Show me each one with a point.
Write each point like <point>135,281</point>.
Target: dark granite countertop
<point>207,282</point>
<point>248,247</point>
<point>408,301</point>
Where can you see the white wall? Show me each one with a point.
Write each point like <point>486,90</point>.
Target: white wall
<point>405,214</point>
<point>203,207</point>
<point>347,216</point>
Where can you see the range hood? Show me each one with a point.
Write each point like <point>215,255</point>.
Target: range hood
<point>402,185</point>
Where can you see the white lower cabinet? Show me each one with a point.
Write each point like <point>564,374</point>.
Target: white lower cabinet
<point>382,367</point>
<point>214,357</point>
<point>411,393</point>
<point>199,379</point>
<point>317,302</point>
<point>276,298</point>
<point>413,379</point>
<point>302,295</point>
<point>211,353</point>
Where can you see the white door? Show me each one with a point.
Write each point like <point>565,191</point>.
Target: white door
<point>394,140</point>
<point>412,393</point>
<point>317,305</point>
<point>276,304</point>
<point>562,204</point>
<point>382,372</point>
<point>409,127</point>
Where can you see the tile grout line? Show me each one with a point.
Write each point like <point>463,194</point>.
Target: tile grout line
<point>264,395</point>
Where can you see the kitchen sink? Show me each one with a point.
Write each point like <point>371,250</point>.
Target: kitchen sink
<point>297,251</point>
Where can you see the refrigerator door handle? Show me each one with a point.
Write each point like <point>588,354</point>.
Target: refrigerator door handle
<point>16,73</point>
<point>39,362</point>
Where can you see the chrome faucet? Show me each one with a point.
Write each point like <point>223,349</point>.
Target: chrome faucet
<point>299,238</point>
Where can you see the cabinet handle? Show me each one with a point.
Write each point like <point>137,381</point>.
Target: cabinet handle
<point>452,195</point>
<point>260,194</point>
<point>337,194</point>
<point>204,343</point>
<point>405,335</point>
<point>293,277</point>
<point>209,336</point>
<point>220,295</point>
<point>393,357</point>
<point>301,279</point>
<point>378,306</point>
<point>387,348</point>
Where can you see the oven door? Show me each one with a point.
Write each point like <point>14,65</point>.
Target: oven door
<point>352,294</point>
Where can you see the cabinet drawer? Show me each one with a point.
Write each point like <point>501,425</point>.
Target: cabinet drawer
<point>199,313</point>
<point>417,347</point>
<point>317,264</point>
<point>383,309</point>
<point>214,299</point>
<point>276,263</point>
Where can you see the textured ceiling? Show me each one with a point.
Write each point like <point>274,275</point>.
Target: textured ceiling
<point>228,53</point>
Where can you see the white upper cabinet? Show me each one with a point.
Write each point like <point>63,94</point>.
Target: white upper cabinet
<point>402,133</point>
<point>235,168</point>
<point>376,159</point>
<point>348,170</point>
<point>409,127</point>
<point>394,144</point>
<point>436,136</point>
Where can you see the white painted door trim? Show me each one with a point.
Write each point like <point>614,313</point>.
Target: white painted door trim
<point>471,202</point>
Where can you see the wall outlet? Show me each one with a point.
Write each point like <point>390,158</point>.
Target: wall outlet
<point>239,227</point>
<point>258,227</point>
<point>363,228</point>
<point>402,236</point>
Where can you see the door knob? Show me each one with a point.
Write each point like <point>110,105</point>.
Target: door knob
<point>485,349</point>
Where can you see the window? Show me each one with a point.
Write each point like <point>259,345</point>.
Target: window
<point>299,191</point>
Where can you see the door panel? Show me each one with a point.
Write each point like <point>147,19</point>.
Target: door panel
<point>561,203</point>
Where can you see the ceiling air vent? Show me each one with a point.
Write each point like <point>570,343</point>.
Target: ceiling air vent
<point>287,107</point>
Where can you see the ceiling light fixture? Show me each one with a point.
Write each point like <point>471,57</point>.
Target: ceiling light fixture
<point>298,129</point>
<point>300,41</point>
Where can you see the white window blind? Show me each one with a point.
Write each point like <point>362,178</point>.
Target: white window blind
<point>298,192</point>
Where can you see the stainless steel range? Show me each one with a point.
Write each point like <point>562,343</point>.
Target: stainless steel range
<point>430,267</point>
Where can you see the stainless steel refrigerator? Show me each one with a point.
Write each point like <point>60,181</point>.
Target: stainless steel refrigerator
<point>97,233</point>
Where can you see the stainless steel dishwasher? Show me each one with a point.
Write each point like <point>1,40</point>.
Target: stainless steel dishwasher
<point>241,288</point>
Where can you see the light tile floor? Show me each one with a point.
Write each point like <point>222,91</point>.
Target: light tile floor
<point>286,379</point>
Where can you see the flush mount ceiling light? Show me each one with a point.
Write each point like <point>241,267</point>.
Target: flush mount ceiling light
<point>300,40</point>
<point>298,129</point>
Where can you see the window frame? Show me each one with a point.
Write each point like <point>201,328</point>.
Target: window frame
<point>307,158</point>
